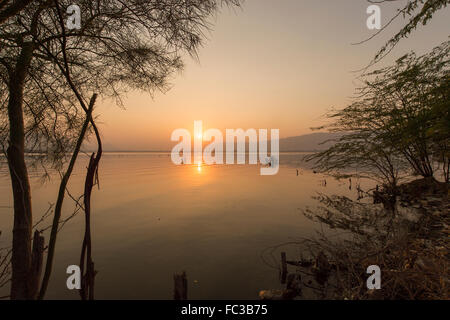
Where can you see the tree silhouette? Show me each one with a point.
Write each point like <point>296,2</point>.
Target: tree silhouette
<point>420,12</point>
<point>121,46</point>
<point>9,8</point>
<point>397,124</point>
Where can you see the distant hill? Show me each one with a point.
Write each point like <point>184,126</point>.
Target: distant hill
<point>308,142</point>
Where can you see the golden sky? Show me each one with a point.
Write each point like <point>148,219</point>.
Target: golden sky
<point>274,64</point>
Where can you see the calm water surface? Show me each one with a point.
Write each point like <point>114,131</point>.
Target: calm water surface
<point>151,219</point>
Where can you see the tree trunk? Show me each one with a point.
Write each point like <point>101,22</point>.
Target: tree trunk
<point>21,249</point>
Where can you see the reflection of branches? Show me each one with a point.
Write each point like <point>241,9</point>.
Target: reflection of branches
<point>412,269</point>
<point>270,253</point>
<point>338,212</point>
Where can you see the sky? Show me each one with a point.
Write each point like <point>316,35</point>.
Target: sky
<point>272,64</point>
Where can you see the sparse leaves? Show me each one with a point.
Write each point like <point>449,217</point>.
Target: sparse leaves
<point>397,122</point>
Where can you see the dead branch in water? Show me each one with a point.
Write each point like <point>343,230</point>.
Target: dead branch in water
<point>86,263</point>
<point>60,199</point>
<point>37,256</point>
<point>180,286</point>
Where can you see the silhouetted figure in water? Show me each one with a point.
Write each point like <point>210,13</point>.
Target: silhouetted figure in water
<point>297,172</point>
<point>350,184</point>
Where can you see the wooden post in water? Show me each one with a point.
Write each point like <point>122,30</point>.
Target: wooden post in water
<point>180,286</point>
<point>283,268</point>
<point>36,264</point>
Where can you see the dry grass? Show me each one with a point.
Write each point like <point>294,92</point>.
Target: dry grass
<point>413,255</point>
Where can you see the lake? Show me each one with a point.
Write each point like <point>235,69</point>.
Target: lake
<point>151,219</point>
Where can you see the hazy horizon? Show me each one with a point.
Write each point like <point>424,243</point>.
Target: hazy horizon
<point>302,143</point>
